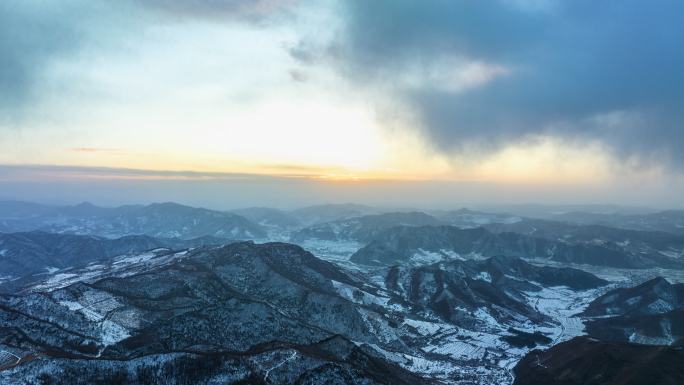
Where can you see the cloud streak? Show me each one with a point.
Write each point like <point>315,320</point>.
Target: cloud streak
<point>111,186</point>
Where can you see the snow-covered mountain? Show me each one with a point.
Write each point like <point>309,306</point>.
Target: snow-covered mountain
<point>476,291</point>
<point>26,257</point>
<point>275,314</point>
<point>456,297</point>
<point>651,313</point>
<point>401,244</point>
<point>642,242</point>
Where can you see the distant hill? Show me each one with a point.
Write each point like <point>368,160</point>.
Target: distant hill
<point>266,216</point>
<point>670,221</point>
<point>27,253</point>
<point>470,218</point>
<point>403,244</point>
<point>363,228</point>
<point>168,220</point>
<point>313,215</point>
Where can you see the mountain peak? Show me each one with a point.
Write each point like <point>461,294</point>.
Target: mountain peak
<point>655,283</point>
<point>85,204</point>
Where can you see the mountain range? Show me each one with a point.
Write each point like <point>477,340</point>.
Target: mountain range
<point>25,254</point>
<point>651,313</point>
<point>167,293</point>
<point>273,314</point>
<point>165,220</point>
<point>364,228</point>
<point>401,244</point>
<point>670,221</point>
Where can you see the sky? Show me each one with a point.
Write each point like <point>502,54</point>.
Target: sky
<point>284,102</point>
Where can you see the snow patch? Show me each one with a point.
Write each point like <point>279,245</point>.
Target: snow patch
<point>357,295</point>
<point>423,327</point>
<point>426,257</point>
<point>138,258</point>
<point>111,333</point>
<point>484,276</point>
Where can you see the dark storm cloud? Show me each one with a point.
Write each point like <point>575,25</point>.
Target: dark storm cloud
<point>611,70</point>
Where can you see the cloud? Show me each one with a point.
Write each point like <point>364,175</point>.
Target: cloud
<point>94,150</point>
<point>581,70</point>
<point>475,74</point>
<point>255,11</point>
<point>36,35</point>
<point>24,172</point>
<point>31,35</point>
